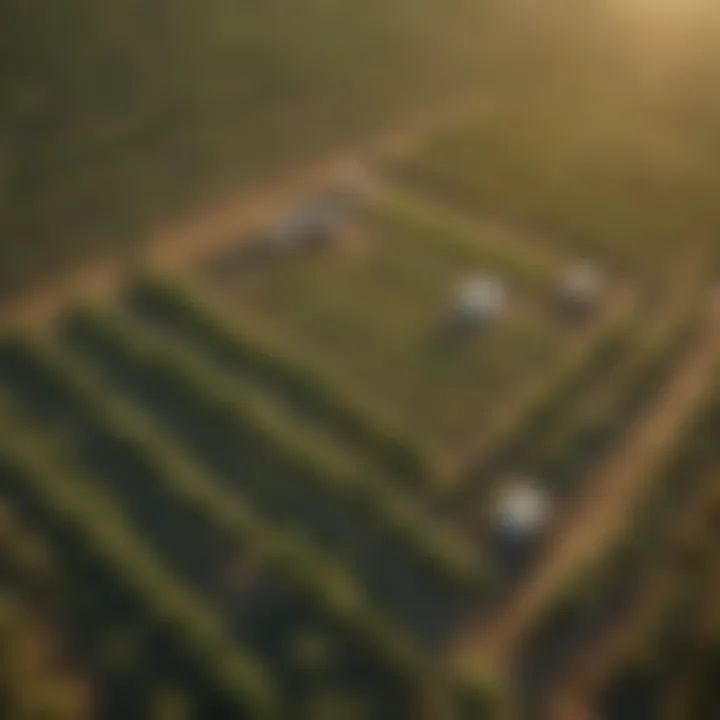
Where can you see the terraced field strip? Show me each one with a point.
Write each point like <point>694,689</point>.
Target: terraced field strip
<point>244,352</point>
<point>44,475</point>
<point>602,512</point>
<point>185,484</point>
<point>576,690</point>
<point>289,474</point>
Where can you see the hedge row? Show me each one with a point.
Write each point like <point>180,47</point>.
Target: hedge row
<point>248,349</point>
<point>91,520</point>
<point>285,553</point>
<point>306,455</point>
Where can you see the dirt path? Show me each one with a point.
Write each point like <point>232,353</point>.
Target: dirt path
<point>189,240</point>
<point>600,515</point>
<point>573,695</point>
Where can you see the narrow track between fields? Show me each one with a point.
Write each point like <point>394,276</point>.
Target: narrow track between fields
<point>600,515</point>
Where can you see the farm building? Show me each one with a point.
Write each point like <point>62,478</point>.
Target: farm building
<point>522,508</point>
<point>581,287</point>
<point>478,301</point>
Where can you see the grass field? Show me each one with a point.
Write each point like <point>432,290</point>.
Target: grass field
<point>264,486</point>
<point>115,118</point>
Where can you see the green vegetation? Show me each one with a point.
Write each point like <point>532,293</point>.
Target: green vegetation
<point>85,515</point>
<point>112,117</point>
<point>259,357</point>
<point>375,316</point>
<point>261,489</point>
<point>592,170</point>
<point>298,454</point>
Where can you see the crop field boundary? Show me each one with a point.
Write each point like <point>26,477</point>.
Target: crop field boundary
<point>601,513</point>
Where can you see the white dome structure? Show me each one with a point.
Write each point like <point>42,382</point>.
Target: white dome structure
<point>479,300</point>
<point>522,508</point>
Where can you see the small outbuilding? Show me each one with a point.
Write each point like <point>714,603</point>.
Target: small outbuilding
<point>581,288</point>
<point>522,509</point>
<point>478,301</point>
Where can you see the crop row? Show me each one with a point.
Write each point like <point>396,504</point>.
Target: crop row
<point>302,460</point>
<point>247,350</point>
<point>112,667</point>
<point>285,554</point>
<point>89,521</point>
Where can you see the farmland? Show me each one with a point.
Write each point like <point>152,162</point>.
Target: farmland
<point>266,482</point>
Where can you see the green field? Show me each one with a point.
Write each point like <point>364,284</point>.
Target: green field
<point>263,487</point>
<point>115,118</point>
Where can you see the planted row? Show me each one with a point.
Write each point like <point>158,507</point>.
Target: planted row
<point>246,349</point>
<point>112,669</point>
<point>90,522</point>
<point>302,459</point>
<point>284,553</point>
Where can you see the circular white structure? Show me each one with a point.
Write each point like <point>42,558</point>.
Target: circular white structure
<point>479,300</point>
<point>582,285</point>
<point>522,508</point>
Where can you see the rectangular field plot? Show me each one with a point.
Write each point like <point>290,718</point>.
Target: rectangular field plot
<point>375,313</point>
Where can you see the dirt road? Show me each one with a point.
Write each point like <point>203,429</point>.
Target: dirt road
<point>189,240</point>
<point>573,695</point>
<point>601,514</point>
